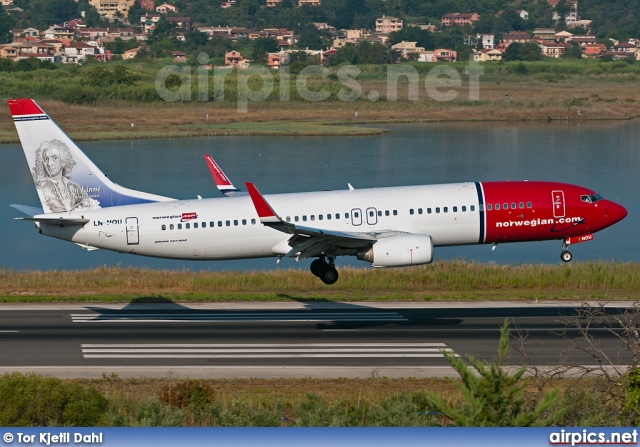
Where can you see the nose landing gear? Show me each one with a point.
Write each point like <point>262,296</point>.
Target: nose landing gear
<point>565,255</point>
<point>324,270</point>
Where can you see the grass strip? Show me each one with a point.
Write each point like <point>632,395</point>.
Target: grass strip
<point>448,280</point>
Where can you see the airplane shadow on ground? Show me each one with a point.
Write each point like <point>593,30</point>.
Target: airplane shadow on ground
<point>330,314</point>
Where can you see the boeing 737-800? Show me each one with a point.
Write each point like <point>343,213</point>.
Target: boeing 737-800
<point>388,227</point>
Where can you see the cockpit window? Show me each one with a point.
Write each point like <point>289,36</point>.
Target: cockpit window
<point>592,198</point>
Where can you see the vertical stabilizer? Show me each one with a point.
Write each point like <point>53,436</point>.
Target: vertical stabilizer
<point>65,178</point>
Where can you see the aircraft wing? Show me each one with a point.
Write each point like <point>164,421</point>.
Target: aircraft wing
<point>309,242</point>
<point>222,181</point>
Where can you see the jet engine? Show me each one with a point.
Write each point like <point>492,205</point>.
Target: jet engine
<point>399,251</point>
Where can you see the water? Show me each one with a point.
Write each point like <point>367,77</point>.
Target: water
<point>604,156</point>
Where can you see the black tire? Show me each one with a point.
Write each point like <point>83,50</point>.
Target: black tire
<point>317,267</point>
<point>329,275</point>
<point>566,256</point>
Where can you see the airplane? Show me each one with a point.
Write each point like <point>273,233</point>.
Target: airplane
<point>387,227</point>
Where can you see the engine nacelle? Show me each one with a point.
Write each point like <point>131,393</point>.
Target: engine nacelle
<point>399,251</point>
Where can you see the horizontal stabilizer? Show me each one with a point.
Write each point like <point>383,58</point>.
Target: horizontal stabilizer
<point>28,210</point>
<point>61,221</point>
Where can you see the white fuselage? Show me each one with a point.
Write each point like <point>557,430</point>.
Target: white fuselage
<point>229,228</point>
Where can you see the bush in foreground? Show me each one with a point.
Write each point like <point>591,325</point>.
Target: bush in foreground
<point>33,400</point>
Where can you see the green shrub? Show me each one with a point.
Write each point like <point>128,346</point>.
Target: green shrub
<point>34,400</point>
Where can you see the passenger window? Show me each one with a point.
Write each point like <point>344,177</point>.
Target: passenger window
<point>253,221</point>
<point>386,213</point>
<point>171,226</point>
<point>356,214</point>
<point>164,227</point>
<point>346,215</point>
<point>312,218</point>
<point>472,207</point>
<point>288,219</point>
<point>195,225</point>
<point>497,206</point>
<point>296,218</point>
<point>445,209</point>
<point>428,210</point>
<point>235,222</point>
<point>212,224</point>
<point>320,217</point>
<point>455,209</point>
<point>513,205</point>
<point>328,216</point>
<point>411,211</point>
<point>379,213</point>
<point>505,206</point>
<point>395,212</point>
<point>464,208</point>
<point>179,226</point>
<point>437,209</point>
<point>304,218</point>
<point>219,223</point>
<point>337,216</point>
<point>228,223</point>
<point>529,205</point>
<point>187,226</point>
<point>244,221</point>
<point>481,207</point>
<point>419,210</point>
<point>521,205</point>
<point>372,214</point>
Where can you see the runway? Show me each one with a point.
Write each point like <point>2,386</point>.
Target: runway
<point>290,339</point>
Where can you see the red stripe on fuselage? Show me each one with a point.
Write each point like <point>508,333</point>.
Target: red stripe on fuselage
<point>519,222</point>
<point>21,107</point>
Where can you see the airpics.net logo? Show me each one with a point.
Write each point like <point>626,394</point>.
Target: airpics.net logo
<point>442,83</point>
<point>592,437</point>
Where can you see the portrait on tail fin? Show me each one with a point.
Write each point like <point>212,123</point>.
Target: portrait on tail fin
<point>51,174</point>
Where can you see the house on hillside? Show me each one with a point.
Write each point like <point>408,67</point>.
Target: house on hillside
<point>487,54</point>
<point>460,18</point>
<point>388,24</point>
<point>165,8</point>
<point>407,48</point>
<point>554,50</point>
<point>516,36</point>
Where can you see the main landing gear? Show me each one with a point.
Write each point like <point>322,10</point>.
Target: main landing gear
<point>324,270</point>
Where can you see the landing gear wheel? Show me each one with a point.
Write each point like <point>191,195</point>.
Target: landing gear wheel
<point>317,266</point>
<point>329,275</point>
<point>566,256</point>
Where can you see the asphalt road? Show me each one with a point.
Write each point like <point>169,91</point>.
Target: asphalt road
<point>292,339</point>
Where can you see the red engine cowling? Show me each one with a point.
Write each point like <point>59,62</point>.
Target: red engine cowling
<point>399,251</point>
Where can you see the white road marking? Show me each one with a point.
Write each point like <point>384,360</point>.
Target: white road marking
<point>304,316</point>
<point>263,351</point>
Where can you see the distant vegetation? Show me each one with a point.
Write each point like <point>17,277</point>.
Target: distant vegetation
<point>135,82</point>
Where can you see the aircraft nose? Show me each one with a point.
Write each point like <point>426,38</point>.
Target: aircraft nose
<point>615,212</point>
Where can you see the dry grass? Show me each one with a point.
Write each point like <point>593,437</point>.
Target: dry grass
<point>453,280</point>
<point>528,100</point>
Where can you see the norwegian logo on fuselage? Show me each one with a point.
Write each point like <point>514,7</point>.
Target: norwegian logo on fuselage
<point>186,217</point>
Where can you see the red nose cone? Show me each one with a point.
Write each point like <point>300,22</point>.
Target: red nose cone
<point>616,212</point>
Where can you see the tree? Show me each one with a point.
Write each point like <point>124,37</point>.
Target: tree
<point>572,52</point>
<point>6,23</point>
<point>263,46</point>
<point>529,51</point>
<point>497,397</point>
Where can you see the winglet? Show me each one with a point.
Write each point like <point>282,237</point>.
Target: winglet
<point>265,212</point>
<point>222,181</point>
